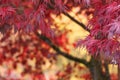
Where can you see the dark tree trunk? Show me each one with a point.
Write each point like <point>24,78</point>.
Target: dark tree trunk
<point>96,70</point>
<point>107,74</point>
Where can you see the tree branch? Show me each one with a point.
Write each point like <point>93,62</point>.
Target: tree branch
<point>49,42</point>
<point>66,55</point>
<point>76,21</point>
<point>72,18</point>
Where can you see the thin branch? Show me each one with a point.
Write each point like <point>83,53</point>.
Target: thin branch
<point>66,55</point>
<point>72,18</point>
<point>76,21</point>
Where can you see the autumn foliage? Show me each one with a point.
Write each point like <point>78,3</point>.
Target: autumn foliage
<point>35,16</point>
<point>105,31</point>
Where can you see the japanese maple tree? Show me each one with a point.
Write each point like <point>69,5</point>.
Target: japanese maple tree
<point>27,16</point>
<point>104,37</point>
